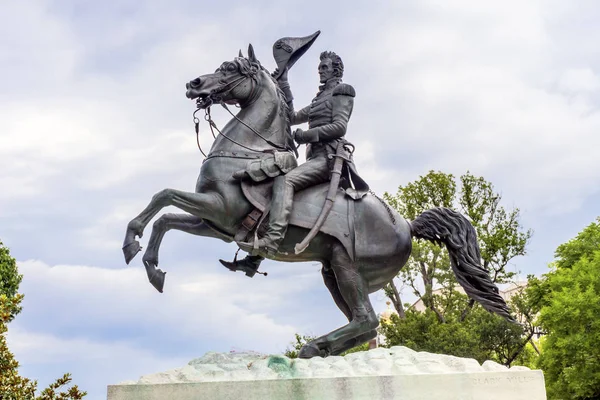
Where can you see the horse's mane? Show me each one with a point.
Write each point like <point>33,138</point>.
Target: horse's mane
<point>283,106</point>
<point>253,67</point>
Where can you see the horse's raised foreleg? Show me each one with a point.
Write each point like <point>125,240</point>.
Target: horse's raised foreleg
<point>183,222</point>
<point>200,205</point>
<point>363,321</point>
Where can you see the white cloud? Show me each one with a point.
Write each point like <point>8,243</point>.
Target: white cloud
<point>111,297</point>
<point>37,59</point>
<point>93,364</point>
<point>34,348</point>
<point>476,85</point>
<point>579,80</point>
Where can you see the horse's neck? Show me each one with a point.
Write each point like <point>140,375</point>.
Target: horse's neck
<point>264,116</point>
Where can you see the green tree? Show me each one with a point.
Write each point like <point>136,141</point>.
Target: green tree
<point>570,315</point>
<point>10,279</point>
<point>12,385</point>
<point>453,323</point>
<point>480,335</point>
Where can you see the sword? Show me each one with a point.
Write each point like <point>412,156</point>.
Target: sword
<point>329,200</point>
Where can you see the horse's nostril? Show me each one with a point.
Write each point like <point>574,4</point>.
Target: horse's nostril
<point>195,83</point>
<point>187,85</point>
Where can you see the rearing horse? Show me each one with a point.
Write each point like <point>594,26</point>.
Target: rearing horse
<point>218,206</point>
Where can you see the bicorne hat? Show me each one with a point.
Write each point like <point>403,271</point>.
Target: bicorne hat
<point>288,50</point>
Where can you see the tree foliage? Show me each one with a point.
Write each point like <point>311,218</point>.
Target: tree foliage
<point>452,323</point>
<point>480,335</point>
<point>500,235</point>
<point>570,315</point>
<point>10,279</point>
<point>12,385</point>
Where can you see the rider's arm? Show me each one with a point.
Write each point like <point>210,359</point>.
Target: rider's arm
<point>342,102</point>
<point>299,117</point>
<point>296,118</point>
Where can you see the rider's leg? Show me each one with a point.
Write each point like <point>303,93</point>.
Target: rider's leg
<point>312,172</point>
<point>281,207</point>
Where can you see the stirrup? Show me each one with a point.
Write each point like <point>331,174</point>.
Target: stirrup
<point>244,266</point>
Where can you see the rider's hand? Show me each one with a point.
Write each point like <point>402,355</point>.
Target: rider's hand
<point>298,136</point>
<point>283,76</point>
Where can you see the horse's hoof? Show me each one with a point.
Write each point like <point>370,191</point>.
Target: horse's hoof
<point>156,276</point>
<point>130,250</point>
<point>311,350</point>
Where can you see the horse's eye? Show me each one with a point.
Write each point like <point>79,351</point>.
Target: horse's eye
<point>231,68</point>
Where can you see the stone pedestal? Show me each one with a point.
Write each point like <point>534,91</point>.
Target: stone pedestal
<point>396,373</point>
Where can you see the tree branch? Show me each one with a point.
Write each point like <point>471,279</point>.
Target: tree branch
<point>397,301</point>
<point>519,350</point>
<point>468,308</point>
<point>535,347</point>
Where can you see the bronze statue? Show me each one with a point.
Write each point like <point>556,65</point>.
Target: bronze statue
<point>319,211</point>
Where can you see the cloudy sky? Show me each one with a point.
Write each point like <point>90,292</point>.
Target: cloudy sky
<point>94,121</point>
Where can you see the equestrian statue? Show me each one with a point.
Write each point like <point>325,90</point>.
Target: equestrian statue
<point>252,191</point>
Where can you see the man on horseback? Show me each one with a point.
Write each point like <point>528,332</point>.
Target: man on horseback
<point>327,117</point>
<point>361,249</point>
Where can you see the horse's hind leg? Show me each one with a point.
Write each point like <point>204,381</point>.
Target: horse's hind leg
<point>351,343</point>
<point>354,291</point>
<point>332,284</point>
<point>183,222</point>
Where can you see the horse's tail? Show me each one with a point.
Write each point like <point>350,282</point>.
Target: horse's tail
<point>443,225</point>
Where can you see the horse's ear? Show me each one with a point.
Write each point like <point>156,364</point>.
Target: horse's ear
<point>241,55</point>
<point>251,55</point>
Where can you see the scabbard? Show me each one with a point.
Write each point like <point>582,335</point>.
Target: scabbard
<point>329,200</point>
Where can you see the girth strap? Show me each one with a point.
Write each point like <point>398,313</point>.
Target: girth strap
<point>248,225</point>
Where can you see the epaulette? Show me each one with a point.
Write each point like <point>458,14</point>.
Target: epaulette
<point>344,89</point>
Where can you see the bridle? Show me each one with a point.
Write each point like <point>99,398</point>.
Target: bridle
<point>217,95</point>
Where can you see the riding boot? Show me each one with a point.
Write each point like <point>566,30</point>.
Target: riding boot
<point>248,264</point>
<point>281,208</point>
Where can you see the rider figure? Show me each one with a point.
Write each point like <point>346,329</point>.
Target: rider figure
<point>327,118</point>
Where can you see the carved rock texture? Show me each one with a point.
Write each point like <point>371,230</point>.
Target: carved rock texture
<point>398,360</point>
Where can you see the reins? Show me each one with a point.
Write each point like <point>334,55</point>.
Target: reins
<point>197,128</point>
<point>213,125</point>
<point>253,130</point>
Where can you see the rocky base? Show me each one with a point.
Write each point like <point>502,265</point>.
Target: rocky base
<point>395,373</point>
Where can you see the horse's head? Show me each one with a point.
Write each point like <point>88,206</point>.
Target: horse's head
<point>232,82</point>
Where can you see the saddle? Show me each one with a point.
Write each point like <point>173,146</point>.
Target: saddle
<point>305,211</point>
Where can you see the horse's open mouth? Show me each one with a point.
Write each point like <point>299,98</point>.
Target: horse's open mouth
<point>202,95</point>
<point>207,100</point>
<point>204,101</point>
